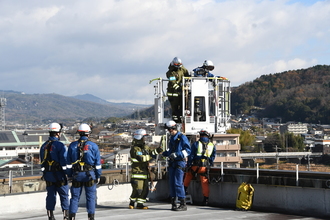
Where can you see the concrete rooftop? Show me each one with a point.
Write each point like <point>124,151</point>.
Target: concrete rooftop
<point>120,211</point>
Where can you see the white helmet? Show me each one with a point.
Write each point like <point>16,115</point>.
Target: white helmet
<point>208,64</point>
<point>84,129</point>
<point>171,125</point>
<point>139,134</point>
<point>54,127</point>
<point>176,62</point>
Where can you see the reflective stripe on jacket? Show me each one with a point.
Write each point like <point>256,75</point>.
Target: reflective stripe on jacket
<point>208,151</point>
<point>140,157</point>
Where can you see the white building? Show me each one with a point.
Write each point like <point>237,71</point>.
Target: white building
<point>294,128</point>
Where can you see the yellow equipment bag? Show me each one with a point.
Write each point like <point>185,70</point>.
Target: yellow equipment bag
<point>244,197</point>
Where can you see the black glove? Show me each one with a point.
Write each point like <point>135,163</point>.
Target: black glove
<point>159,150</point>
<point>172,156</point>
<point>139,158</point>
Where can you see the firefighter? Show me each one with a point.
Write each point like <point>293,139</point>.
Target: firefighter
<point>53,165</point>
<point>200,160</point>
<point>176,72</point>
<point>140,156</point>
<point>204,71</point>
<point>84,170</point>
<point>177,153</point>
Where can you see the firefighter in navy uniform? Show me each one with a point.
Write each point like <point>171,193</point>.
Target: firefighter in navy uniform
<point>177,152</point>
<point>84,169</point>
<point>199,163</point>
<point>53,165</point>
<point>140,156</point>
<point>204,71</point>
<point>176,72</point>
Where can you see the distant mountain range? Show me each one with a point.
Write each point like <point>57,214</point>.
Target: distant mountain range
<point>124,105</point>
<point>40,108</point>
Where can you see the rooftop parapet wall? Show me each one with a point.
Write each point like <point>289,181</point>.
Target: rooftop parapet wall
<point>314,202</point>
<point>232,175</point>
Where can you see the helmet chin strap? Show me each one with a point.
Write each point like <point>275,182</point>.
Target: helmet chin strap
<point>58,135</point>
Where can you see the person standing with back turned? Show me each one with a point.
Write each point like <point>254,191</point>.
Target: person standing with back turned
<point>84,169</point>
<point>177,152</point>
<point>53,165</point>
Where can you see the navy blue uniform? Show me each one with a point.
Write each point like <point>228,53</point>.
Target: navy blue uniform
<point>53,164</point>
<point>202,72</point>
<point>84,167</point>
<point>179,144</point>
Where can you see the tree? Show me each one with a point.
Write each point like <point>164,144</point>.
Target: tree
<point>293,142</point>
<point>113,120</point>
<point>273,143</point>
<point>246,138</point>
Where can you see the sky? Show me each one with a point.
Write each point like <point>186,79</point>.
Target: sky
<point>113,48</point>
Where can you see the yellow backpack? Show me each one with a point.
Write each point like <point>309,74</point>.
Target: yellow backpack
<point>244,197</point>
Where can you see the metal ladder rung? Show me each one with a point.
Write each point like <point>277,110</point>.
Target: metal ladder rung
<point>188,199</point>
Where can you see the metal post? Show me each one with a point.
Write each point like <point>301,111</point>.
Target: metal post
<point>257,173</point>
<point>10,180</point>
<point>297,175</point>
<point>31,164</point>
<point>309,164</point>
<point>276,157</point>
<point>127,172</point>
<point>222,174</point>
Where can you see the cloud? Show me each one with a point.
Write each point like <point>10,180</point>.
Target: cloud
<point>112,48</point>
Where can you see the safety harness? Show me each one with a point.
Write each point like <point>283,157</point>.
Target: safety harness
<point>202,162</point>
<point>80,166</point>
<point>51,165</point>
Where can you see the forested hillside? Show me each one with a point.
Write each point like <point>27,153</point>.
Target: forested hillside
<point>298,95</point>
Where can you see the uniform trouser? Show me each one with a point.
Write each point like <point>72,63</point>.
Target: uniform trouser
<point>63,192</point>
<point>202,176</point>
<point>176,179</point>
<point>176,105</point>
<point>90,193</point>
<point>140,190</point>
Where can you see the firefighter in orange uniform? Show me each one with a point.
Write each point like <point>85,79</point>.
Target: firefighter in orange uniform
<point>199,162</point>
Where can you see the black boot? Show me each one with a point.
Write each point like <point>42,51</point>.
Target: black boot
<point>90,216</point>
<point>173,202</point>
<point>141,206</point>
<point>50,215</point>
<point>131,204</point>
<point>206,201</point>
<point>72,216</point>
<point>65,214</point>
<point>182,206</point>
